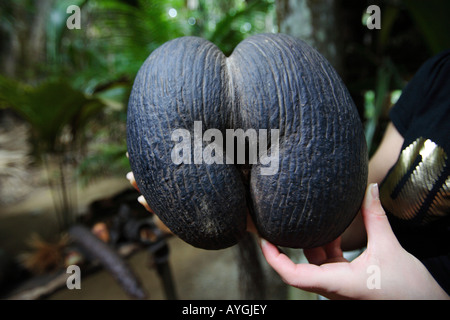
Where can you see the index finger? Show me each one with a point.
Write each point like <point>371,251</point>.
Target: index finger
<point>297,275</point>
<point>328,279</point>
<point>130,177</point>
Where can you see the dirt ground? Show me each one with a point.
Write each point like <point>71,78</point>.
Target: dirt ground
<point>198,274</point>
<point>26,207</point>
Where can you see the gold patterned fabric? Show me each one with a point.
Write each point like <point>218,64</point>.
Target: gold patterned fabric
<point>417,188</point>
<point>415,193</point>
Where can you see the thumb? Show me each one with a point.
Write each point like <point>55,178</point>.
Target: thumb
<point>375,220</point>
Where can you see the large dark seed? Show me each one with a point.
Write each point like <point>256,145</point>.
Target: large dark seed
<point>271,81</point>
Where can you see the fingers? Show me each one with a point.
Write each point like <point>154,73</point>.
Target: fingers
<point>142,201</point>
<point>304,276</point>
<point>141,198</point>
<point>279,261</point>
<point>330,252</point>
<point>161,226</point>
<point>333,249</point>
<point>130,178</point>
<point>329,274</point>
<point>328,279</point>
<point>375,220</point>
<point>315,256</point>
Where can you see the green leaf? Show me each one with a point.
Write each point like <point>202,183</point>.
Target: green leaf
<point>431,17</point>
<point>106,159</point>
<point>49,108</point>
<point>225,36</point>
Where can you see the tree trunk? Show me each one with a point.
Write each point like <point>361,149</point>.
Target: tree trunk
<point>22,37</point>
<point>314,21</point>
<point>35,45</point>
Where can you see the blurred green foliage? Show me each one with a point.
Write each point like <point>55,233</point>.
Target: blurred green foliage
<point>74,94</point>
<point>429,18</point>
<point>99,61</point>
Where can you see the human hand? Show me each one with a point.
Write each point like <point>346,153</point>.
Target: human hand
<point>143,202</point>
<point>383,271</point>
<point>141,199</point>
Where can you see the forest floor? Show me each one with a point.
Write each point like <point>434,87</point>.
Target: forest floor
<point>26,208</point>
<point>198,274</point>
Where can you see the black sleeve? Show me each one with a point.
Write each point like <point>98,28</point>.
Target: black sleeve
<point>420,181</point>
<point>428,93</point>
<point>439,267</point>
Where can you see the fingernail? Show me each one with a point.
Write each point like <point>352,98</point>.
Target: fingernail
<point>141,200</point>
<point>262,242</point>
<point>375,193</point>
<point>371,194</point>
<point>372,200</point>
<point>129,175</point>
